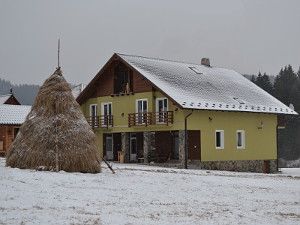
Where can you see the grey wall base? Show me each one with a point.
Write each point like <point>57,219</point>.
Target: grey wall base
<point>258,166</point>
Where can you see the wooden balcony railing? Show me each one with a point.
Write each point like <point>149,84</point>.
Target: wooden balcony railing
<point>101,121</point>
<point>150,118</point>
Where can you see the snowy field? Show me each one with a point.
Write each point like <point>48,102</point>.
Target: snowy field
<point>148,195</point>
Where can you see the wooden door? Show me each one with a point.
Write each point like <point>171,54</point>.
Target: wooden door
<point>194,144</point>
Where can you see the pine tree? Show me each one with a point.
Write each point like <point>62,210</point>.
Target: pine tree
<point>287,90</point>
<point>284,83</point>
<point>253,79</point>
<point>263,81</point>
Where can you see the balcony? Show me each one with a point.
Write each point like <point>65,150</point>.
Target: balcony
<point>150,118</point>
<point>100,121</point>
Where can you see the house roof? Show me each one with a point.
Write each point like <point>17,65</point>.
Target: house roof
<point>76,90</point>
<point>13,114</point>
<point>194,86</point>
<point>4,98</point>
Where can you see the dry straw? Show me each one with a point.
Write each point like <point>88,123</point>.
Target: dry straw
<point>55,135</point>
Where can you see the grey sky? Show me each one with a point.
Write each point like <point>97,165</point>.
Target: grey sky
<point>247,36</point>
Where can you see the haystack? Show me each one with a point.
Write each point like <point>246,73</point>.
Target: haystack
<point>55,135</point>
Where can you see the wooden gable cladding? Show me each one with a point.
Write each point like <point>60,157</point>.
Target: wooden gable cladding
<point>12,101</point>
<point>105,85</point>
<point>140,84</point>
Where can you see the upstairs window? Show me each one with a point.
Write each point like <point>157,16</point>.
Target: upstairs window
<point>122,80</point>
<point>93,110</point>
<point>219,139</point>
<point>240,139</point>
<point>162,110</point>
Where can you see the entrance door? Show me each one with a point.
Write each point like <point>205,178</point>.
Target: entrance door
<point>194,144</point>
<point>109,147</point>
<point>141,109</point>
<point>133,147</point>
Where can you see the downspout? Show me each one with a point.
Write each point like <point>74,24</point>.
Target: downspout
<point>186,140</point>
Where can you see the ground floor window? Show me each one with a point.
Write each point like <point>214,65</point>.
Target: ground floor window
<point>240,139</point>
<point>219,139</point>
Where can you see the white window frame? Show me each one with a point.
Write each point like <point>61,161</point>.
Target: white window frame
<point>136,103</point>
<point>102,107</point>
<point>91,105</point>
<point>243,136</point>
<point>102,111</point>
<point>222,136</point>
<point>137,109</point>
<point>157,108</point>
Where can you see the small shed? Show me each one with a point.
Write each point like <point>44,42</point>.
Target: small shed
<point>11,118</point>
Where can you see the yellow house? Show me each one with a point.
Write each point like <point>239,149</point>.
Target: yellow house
<point>162,111</point>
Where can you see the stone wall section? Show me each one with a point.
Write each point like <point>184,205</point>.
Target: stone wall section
<point>149,146</point>
<point>258,166</point>
<point>181,138</point>
<point>125,146</point>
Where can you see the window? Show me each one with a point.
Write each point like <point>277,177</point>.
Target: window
<point>106,114</point>
<point>122,80</point>
<point>93,120</point>
<point>240,139</point>
<point>219,139</point>
<point>141,110</point>
<point>162,110</point>
<point>93,110</point>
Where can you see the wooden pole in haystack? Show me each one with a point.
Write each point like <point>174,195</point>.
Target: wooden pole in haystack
<point>56,132</point>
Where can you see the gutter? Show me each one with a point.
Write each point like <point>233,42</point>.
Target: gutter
<point>186,139</point>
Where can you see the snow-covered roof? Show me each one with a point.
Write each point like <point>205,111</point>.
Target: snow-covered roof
<point>76,90</point>
<point>4,98</point>
<point>13,114</point>
<point>194,86</point>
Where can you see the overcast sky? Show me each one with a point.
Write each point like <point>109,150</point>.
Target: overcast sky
<point>246,36</point>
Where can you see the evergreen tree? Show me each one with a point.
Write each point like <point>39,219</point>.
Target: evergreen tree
<point>253,79</point>
<point>284,83</point>
<point>287,90</point>
<point>263,81</point>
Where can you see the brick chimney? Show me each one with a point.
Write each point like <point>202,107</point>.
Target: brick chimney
<point>205,62</point>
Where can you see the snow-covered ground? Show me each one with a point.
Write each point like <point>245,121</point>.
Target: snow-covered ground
<point>148,195</point>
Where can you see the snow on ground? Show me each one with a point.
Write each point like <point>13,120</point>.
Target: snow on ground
<point>291,171</point>
<point>148,195</point>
